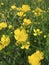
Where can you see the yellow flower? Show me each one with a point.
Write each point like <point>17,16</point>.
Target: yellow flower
<point>20,14</point>
<point>45,36</point>
<point>5,40</point>
<point>48,9</point>
<point>20,35</point>
<point>38,11</point>
<point>39,0</point>
<point>37,32</point>
<point>10,26</point>
<point>2,3</point>
<point>18,8</point>
<point>35,58</point>
<point>13,7</point>
<point>25,45</point>
<point>25,8</point>
<point>3,25</point>
<point>26,21</point>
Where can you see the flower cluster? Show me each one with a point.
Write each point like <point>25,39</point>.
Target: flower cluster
<point>38,11</point>
<point>24,29</point>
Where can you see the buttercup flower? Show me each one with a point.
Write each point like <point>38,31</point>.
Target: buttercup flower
<point>18,9</point>
<point>3,25</point>
<point>25,8</point>
<point>5,41</point>
<point>48,9</point>
<point>10,26</point>
<point>45,36</point>
<point>35,58</point>
<point>26,21</point>
<point>20,35</point>
<point>37,32</point>
<point>13,7</point>
<point>2,3</point>
<point>39,0</point>
<point>20,14</point>
<point>26,45</point>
